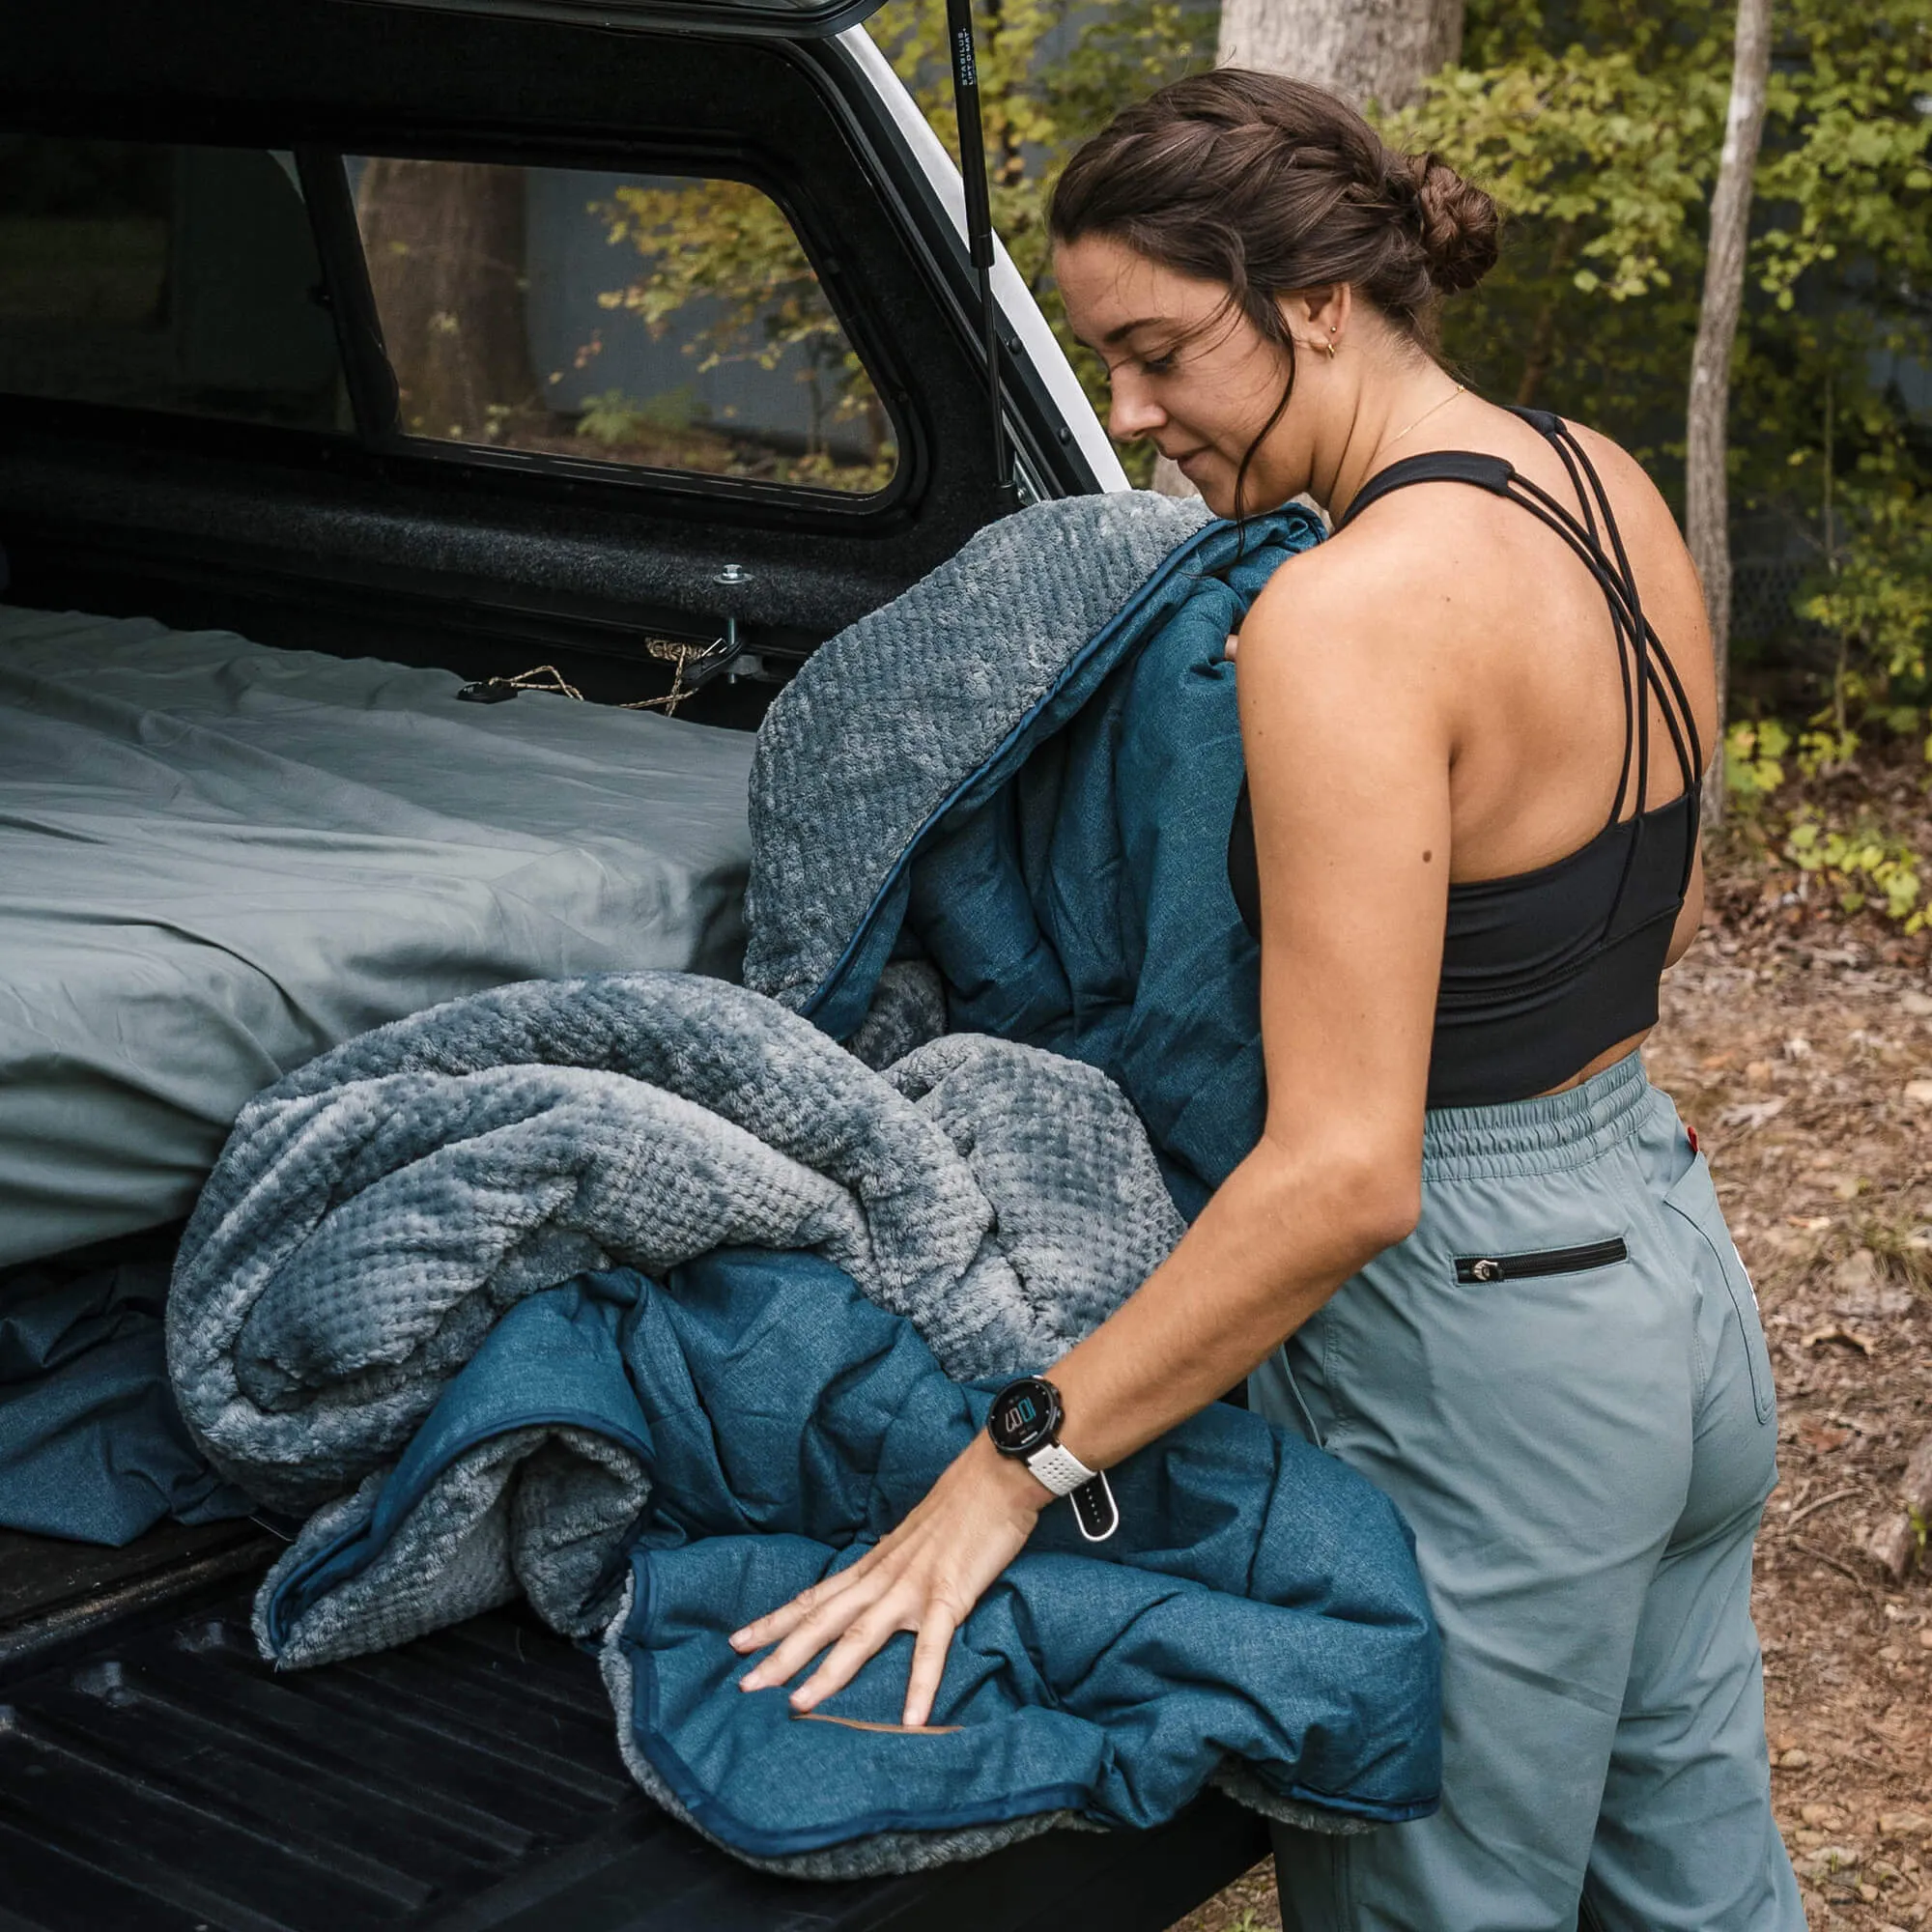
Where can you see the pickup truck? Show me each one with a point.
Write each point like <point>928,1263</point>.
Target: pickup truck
<point>414,328</point>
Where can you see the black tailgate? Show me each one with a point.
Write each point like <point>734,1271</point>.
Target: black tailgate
<point>156,1776</point>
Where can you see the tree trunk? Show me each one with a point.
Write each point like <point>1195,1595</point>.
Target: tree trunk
<point>1706,492</point>
<point>444,242</point>
<point>1380,50</point>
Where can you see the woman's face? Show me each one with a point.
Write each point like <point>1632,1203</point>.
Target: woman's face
<point>1186,369</point>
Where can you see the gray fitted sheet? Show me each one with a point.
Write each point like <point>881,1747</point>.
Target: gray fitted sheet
<point>217,859</point>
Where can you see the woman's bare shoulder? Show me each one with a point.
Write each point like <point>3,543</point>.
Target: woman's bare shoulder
<point>1398,580</point>
<point>1630,485</point>
<point>1355,631</point>
<point>1356,570</point>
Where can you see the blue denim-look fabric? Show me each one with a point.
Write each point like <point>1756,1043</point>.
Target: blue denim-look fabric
<point>1073,892</point>
<point>92,1446</point>
<point>1259,1603</point>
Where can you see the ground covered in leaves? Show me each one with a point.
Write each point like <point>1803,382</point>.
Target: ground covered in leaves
<point>1799,1045</point>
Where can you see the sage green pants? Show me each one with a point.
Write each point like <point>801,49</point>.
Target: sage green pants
<point>1561,1380</point>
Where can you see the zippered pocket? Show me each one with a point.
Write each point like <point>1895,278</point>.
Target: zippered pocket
<point>1548,1261</point>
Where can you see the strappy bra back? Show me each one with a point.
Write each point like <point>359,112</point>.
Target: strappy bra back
<point>1542,971</point>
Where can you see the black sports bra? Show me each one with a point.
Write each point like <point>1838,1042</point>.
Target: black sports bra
<point>1543,969</point>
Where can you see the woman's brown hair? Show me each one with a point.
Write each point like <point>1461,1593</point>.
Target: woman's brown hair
<point>1273,187</point>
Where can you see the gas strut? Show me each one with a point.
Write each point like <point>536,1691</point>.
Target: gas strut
<point>979,213</point>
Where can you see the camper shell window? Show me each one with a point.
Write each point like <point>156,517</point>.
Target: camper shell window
<point>664,321</point>
<point>596,323</point>
<point>166,277</point>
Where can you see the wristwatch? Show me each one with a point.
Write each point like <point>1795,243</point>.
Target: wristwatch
<point>1024,1422</point>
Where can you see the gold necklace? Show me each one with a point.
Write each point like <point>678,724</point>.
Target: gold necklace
<point>1441,402</point>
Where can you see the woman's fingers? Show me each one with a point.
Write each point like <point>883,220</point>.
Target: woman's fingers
<point>863,1639</point>
<point>928,1662</point>
<point>803,1628</point>
<point>783,1621</point>
<point>805,1640</point>
<point>924,1577</point>
<point>772,1625</point>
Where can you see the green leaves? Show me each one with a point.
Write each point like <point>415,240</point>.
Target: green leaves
<point>1051,73</point>
<point>1624,144</point>
<point>728,246</point>
<point>1867,866</point>
<point>1862,862</point>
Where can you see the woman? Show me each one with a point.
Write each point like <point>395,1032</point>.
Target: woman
<point>1474,1255</point>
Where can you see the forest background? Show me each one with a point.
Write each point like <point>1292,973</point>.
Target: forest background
<point>1598,125</point>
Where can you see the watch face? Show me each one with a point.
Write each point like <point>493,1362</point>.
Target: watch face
<point>1025,1416</point>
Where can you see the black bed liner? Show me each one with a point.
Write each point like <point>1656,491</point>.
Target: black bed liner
<point>157,1777</point>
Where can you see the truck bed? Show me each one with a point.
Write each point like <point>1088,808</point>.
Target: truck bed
<point>156,1776</point>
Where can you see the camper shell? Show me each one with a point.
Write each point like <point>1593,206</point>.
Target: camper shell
<point>154,1774</point>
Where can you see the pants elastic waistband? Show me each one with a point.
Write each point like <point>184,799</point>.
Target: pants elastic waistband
<point>1555,1131</point>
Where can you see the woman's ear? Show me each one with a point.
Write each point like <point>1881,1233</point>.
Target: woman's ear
<point>1319,318</point>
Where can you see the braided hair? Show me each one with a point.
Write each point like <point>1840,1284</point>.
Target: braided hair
<point>1272,186</point>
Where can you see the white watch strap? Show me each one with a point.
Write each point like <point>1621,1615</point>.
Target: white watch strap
<point>1062,1471</point>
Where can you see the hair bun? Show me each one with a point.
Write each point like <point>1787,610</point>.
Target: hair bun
<point>1460,225</point>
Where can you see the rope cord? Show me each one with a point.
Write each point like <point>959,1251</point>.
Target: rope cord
<point>671,650</point>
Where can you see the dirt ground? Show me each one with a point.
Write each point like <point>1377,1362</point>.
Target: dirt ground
<point>1799,1045</point>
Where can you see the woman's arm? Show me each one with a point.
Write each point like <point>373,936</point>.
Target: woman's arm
<point>1345,724</point>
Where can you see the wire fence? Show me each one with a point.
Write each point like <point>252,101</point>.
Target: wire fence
<point>1764,602</point>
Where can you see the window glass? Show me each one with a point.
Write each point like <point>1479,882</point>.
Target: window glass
<point>163,278</point>
<point>660,321</point>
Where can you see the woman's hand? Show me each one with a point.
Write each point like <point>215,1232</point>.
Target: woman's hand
<point>925,1577</point>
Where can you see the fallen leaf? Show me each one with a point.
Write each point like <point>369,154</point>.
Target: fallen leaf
<point>1755,1113</point>
<point>1917,1004</point>
<point>1758,1073</point>
<point>1816,1435</point>
<point>1711,1062</point>
<point>1919,1092</point>
<point>1849,1186</point>
<point>1839,1332</point>
<point>1797,1049</point>
<point>1792,1760</point>
<point>1925,1639</point>
<point>1813,1222</point>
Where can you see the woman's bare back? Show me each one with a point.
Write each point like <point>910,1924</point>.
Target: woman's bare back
<point>1515,637</point>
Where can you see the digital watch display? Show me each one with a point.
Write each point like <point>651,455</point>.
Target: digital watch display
<point>1026,1416</point>
<point>1024,1422</point>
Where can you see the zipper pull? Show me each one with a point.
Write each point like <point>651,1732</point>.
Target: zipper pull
<point>1486,1270</point>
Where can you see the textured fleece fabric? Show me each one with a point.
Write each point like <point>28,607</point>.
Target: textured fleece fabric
<point>815,1254</point>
